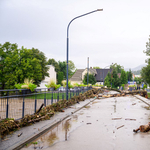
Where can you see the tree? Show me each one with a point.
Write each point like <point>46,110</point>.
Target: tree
<point>108,80</point>
<point>96,67</point>
<point>138,80</point>
<point>18,64</point>
<point>115,79</point>
<point>63,66</point>
<point>60,77</point>
<point>116,67</point>
<point>92,79</point>
<point>54,63</point>
<point>71,68</point>
<point>123,77</point>
<point>145,72</point>
<point>129,75</point>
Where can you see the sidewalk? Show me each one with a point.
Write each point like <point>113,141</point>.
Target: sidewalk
<point>145,100</point>
<point>29,133</point>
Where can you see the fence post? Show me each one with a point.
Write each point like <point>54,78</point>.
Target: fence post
<point>23,107</point>
<point>35,103</point>
<point>63,96</point>
<point>58,96</point>
<point>45,98</point>
<point>52,98</point>
<point>7,106</point>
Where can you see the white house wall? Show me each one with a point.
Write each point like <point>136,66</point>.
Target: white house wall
<point>52,77</point>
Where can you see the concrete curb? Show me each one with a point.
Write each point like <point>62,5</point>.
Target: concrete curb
<point>21,144</point>
<point>143,99</point>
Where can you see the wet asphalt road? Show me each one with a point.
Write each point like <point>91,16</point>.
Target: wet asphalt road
<point>105,124</point>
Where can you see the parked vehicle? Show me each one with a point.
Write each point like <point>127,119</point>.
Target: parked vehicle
<point>61,89</point>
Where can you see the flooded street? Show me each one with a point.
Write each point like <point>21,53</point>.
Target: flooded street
<point>105,124</point>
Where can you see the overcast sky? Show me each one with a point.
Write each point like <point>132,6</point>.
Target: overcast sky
<point>118,34</point>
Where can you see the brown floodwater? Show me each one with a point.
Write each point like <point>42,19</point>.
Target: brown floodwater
<point>105,124</point>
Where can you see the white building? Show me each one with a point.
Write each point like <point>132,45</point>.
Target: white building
<point>52,77</point>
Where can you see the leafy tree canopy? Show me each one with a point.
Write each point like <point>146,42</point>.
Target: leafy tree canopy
<point>54,63</point>
<point>96,67</point>
<point>18,64</point>
<point>108,80</point>
<point>145,73</point>
<point>92,79</point>
<point>129,75</point>
<point>116,67</point>
<point>123,77</point>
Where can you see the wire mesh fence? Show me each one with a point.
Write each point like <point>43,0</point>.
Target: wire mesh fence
<point>18,103</point>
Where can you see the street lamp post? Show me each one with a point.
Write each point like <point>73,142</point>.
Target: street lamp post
<point>88,71</point>
<point>68,44</point>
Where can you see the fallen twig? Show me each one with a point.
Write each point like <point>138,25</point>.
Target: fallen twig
<point>120,127</point>
<point>116,118</point>
<point>130,119</point>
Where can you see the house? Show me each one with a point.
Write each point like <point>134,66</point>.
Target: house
<point>99,74</point>
<point>52,77</point>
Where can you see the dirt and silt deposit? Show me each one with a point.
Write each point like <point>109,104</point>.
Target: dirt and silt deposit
<point>103,124</point>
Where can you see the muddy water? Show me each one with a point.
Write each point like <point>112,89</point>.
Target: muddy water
<point>104,124</point>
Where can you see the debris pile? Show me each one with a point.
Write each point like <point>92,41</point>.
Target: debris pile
<point>9,125</point>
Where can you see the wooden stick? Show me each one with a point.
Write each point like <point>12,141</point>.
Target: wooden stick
<point>116,118</point>
<point>130,119</point>
<point>120,127</point>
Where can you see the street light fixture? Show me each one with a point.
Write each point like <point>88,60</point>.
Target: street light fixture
<point>68,44</point>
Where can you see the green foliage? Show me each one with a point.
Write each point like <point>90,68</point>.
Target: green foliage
<point>69,84</point>
<point>18,86</point>
<point>115,79</point>
<point>18,64</point>
<point>60,77</point>
<point>138,80</point>
<point>145,73</point>
<point>108,80</point>
<point>92,79</point>
<point>32,86</point>
<point>129,75</point>
<point>123,86</point>
<point>26,85</point>
<point>63,66</point>
<point>144,87</point>
<point>132,85</point>
<point>96,67</point>
<point>123,77</point>
<point>54,63</point>
<point>51,84</point>
<point>116,67</point>
<point>57,86</point>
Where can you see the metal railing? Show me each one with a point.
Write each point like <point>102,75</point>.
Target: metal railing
<point>18,103</point>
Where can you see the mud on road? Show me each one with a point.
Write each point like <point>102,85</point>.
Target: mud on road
<point>103,124</point>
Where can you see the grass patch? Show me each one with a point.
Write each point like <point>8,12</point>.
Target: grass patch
<point>50,95</point>
<point>148,95</point>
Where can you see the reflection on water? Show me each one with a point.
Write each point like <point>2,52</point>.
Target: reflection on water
<point>57,134</point>
<point>52,138</point>
<point>66,127</point>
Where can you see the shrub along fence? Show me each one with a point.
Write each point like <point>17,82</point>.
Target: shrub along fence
<point>18,103</point>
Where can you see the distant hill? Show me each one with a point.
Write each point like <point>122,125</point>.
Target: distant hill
<point>136,68</point>
<point>138,72</point>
